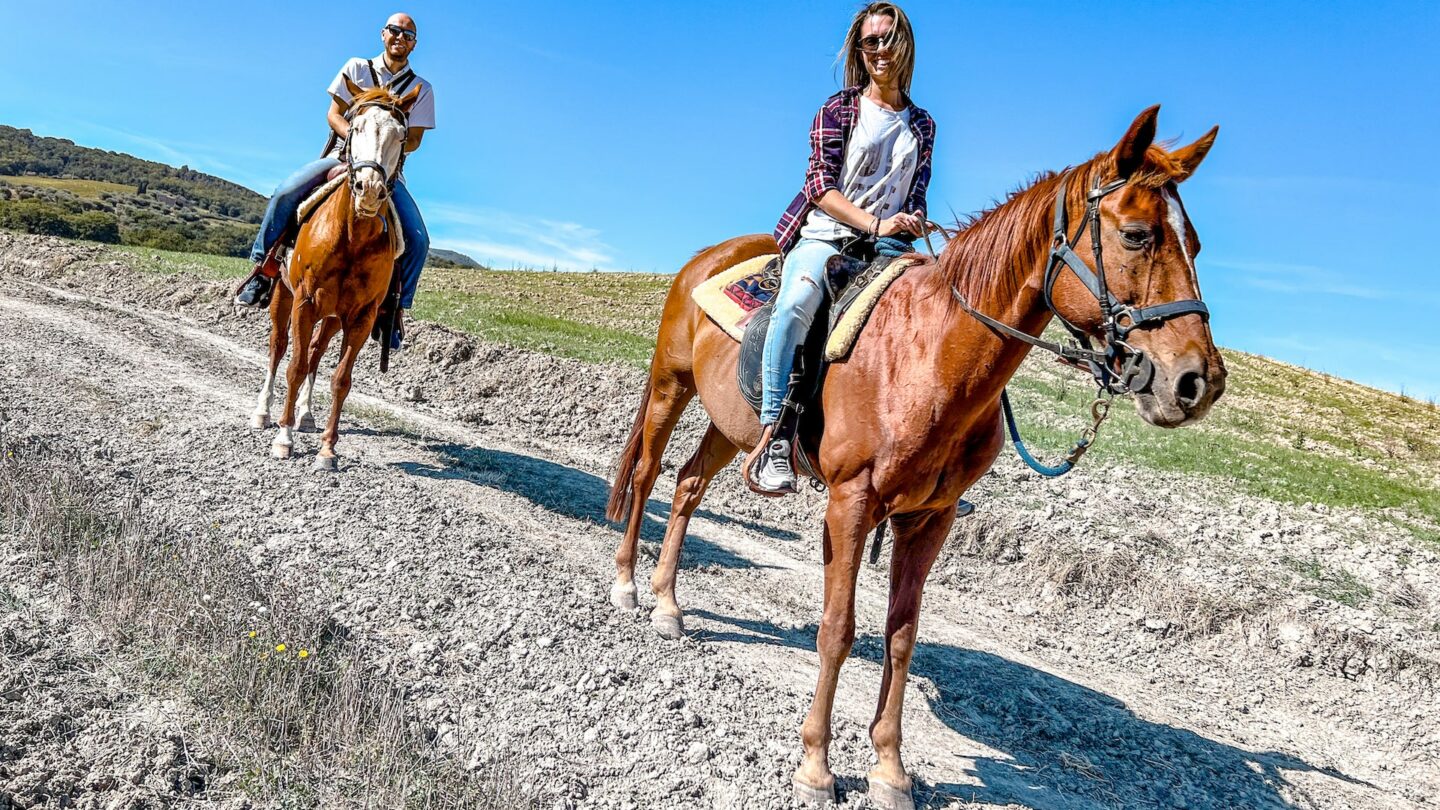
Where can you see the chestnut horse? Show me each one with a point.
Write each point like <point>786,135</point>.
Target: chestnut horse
<point>912,416</point>
<point>338,273</point>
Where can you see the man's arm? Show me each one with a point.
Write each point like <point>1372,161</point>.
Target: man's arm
<point>336,117</point>
<point>412,138</point>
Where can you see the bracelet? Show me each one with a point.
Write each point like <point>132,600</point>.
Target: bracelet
<point>875,228</point>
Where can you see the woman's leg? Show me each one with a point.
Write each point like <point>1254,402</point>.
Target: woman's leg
<point>284,202</point>
<point>801,292</point>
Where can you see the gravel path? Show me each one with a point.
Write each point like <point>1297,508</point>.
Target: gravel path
<point>463,536</point>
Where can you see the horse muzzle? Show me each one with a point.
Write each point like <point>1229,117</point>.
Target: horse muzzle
<point>1181,392</point>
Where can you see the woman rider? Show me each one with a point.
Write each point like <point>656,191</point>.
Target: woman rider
<point>869,168</point>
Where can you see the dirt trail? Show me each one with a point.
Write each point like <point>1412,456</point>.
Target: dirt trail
<point>463,535</point>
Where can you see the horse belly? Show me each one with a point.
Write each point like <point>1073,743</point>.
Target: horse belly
<point>716,355</point>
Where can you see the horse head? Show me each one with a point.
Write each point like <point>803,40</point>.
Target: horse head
<point>376,144</point>
<point>1146,255</point>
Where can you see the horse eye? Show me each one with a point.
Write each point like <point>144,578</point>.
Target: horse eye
<point>1135,237</point>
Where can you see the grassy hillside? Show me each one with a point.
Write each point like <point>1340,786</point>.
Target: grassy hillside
<point>1281,432</point>
<point>53,187</point>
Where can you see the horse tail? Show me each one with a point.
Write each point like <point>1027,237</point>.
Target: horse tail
<point>622,492</point>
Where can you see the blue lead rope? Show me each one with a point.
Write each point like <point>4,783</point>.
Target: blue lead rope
<point>1049,472</point>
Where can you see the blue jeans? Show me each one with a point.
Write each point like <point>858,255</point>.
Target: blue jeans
<point>802,285</point>
<point>286,201</point>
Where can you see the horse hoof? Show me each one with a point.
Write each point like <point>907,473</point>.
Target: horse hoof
<point>671,627</point>
<point>282,450</point>
<point>325,463</point>
<point>259,421</point>
<point>886,797</point>
<point>812,796</point>
<point>306,424</point>
<point>623,595</point>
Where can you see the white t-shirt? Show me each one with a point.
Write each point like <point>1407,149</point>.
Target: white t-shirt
<point>880,162</point>
<point>422,114</point>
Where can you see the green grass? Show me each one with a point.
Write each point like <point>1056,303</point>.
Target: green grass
<point>89,189</point>
<point>1249,457</point>
<point>1337,585</point>
<point>528,326</point>
<point>170,262</point>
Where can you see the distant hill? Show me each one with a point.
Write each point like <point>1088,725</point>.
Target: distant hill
<point>53,186</point>
<point>451,258</point>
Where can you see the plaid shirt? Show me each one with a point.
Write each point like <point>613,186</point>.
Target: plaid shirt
<point>829,136</point>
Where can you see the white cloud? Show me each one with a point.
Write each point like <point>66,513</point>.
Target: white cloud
<point>1298,278</point>
<point>503,239</point>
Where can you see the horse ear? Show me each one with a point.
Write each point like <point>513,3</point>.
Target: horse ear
<point>409,99</point>
<point>1129,154</point>
<point>1189,157</point>
<point>354,88</point>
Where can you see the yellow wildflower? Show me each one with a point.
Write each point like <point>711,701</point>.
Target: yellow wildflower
<point>304,653</point>
<point>279,648</point>
<point>252,634</point>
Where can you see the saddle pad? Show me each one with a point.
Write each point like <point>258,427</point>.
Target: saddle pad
<point>319,195</point>
<point>847,328</point>
<point>732,296</point>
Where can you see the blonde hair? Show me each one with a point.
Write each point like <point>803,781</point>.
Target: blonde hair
<point>902,48</point>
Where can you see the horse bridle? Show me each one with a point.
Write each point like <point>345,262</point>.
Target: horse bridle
<point>351,165</point>
<point>1119,368</point>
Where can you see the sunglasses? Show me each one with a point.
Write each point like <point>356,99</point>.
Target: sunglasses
<point>875,44</point>
<point>397,31</point>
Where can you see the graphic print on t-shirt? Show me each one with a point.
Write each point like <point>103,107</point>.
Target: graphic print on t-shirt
<point>880,162</point>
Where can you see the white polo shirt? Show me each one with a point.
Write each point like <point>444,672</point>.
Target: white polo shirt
<point>422,114</point>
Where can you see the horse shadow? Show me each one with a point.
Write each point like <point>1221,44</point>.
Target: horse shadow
<point>1062,746</point>
<point>575,494</point>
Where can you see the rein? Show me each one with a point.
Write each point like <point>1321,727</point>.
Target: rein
<point>1119,368</point>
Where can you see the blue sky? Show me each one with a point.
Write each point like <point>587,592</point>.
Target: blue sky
<point>589,134</point>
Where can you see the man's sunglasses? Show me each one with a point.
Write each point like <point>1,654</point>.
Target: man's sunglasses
<point>874,44</point>
<point>397,31</point>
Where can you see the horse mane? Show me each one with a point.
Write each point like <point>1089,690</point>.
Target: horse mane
<point>375,94</point>
<point>997,250</point>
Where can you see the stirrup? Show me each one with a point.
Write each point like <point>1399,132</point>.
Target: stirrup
<point>758,456</point>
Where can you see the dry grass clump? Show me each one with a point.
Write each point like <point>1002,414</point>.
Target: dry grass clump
<point>1118,576</point>
<point>285,703</point>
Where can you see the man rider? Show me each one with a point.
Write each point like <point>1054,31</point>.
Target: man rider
<point>391,69</point>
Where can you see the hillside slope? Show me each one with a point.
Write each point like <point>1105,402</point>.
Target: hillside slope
<point>54,187</point>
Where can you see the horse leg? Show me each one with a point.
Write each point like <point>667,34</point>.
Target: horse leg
<point>328,328</point>
<point>918,539</point>
<point>355,336</point>
<point>847,520</point>
<point>714,453</point>
<point>666,400</point>
<point>280,306</point>
<point>302,330</point>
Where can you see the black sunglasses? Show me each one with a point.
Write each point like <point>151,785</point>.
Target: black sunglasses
<point>397,31</point>
<point>873,44</point>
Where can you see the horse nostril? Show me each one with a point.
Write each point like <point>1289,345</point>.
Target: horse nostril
<point>1190,389</point>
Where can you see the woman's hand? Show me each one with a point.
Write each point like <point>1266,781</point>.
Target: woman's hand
<point>901,223</point>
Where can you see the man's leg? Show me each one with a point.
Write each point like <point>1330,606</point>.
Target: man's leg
<point>278,214</point>
<point>417,248</point>
<point>801,293</point>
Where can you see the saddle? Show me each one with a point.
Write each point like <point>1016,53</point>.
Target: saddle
<point>849,277</point>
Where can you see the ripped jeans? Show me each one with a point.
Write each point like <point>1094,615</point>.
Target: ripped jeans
<point>802,281</point>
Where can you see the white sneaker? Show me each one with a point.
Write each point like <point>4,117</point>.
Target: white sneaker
<point>774,472</point>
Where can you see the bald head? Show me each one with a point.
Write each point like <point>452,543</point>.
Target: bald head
<point>398,37</point>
